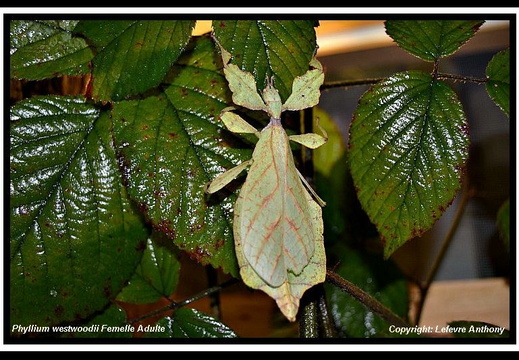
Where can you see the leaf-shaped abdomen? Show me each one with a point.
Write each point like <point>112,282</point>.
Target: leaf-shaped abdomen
<point>274,221</point>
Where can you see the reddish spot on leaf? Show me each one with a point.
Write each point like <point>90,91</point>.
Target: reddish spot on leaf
<point>58,310</point>
<point>195,228</point>
<point>107,291</point>
<point>165,227</point>
<point>141,246</point>
<point>143,207</point>
<point>159,194</point>
<point>417,232</point>
<point>199,254</point>
<point>219,244</point>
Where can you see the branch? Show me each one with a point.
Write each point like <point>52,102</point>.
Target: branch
<point>347,83</point>
<point>315,320</point>
<point>176,305</point>
<point>364,298</point>
<point>464,79</point>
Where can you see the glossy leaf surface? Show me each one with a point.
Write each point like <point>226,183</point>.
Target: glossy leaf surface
<point>408,148</point>
<point>190,323</point>
<point>133,56</point>
<point>75,239</point>
<point>44,49</point>
<point>155,277</point>
<point>103,326</point>
<point>171,146</point>
<point>431,39</point>
<point>498,85</point>
<point>283,49</point>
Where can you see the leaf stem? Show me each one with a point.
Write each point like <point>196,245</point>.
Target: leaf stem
<point>364,298</point>
<point>215,296</point>
<point>347,83</point>
<point>176,305</point>
<point>315,320</point>
<point>328,327</point>
<point>309,324</point>
<point>464,79</point>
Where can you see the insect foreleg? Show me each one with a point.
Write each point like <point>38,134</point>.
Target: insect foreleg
<point>225,178</point>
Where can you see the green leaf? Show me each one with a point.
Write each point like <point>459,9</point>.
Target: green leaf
<point>44,49</point>
<point>171,146</point>
<point>431,40</point>
<point>408,148</point>
<point>498,85</point>
<point>503,223</point>
<point>478,329</point>
<point>191,323</point>
<point>156,276</point>
<point>379,278</point>
<point>269,48</point>
<point>133,56</point>
<point>75,240</point>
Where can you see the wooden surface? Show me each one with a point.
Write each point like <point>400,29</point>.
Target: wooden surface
<point>486,300</point>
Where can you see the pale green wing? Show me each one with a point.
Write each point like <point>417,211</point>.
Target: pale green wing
<point>274,221</point>
<point>289,293</point>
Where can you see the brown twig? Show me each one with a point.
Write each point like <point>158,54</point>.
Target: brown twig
<point>464,79</point>
<point>364,298</point>
<point>348,83</point>
<point>176,305</point>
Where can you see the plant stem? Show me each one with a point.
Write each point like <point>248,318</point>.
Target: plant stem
<point>176,305</point>
<point>328,327</point>
<point>215,296</point>
<point>315,320</point>
<point>461,78</point>
<point>364,298</point>
<point>308,323</point>
<point>347,83</point>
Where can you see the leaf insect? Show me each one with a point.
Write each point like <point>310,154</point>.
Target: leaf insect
<point>277,225</point>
